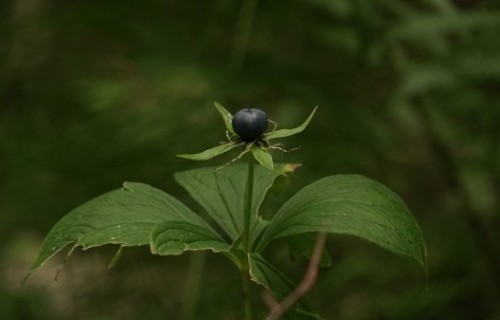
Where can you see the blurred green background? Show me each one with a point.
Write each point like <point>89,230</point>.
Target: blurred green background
<point>93,93</point>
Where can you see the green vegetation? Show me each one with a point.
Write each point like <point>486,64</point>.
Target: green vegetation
<point>138,215</point>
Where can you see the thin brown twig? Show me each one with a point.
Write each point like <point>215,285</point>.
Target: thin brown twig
<point>305,285</point>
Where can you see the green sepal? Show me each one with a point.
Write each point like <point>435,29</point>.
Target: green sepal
<point>227,117</point>
<point>212,152</point>
<point>263,157</point>
<point>282,133</point>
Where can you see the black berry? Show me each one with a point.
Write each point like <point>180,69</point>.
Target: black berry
<point>249,123</point>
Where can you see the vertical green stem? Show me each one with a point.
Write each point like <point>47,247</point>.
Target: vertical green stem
<point>247,299</point>
<point>245,269</point>
<point>248,205</point>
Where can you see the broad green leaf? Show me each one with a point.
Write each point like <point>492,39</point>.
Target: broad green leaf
<point>289,132</point>
<point>222,192</point>
<point>263,157</point>
<point>175,237</point>
<point>353,205</point>
<point>227,117</point>
<point>271,278</point>
<point>212,152</point>
<point>124,216</point>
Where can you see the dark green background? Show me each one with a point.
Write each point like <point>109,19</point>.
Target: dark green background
<point>93,93</point>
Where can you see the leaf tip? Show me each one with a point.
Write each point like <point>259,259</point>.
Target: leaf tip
<point>116,257</point>
<point>25,278</point>
<point>291,167</point>
<point>126,186</point>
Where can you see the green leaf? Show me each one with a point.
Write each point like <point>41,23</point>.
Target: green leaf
<point>227,117</point>
<point>282,133</point>
<point>270,277</point>
<point>124,216</point>
<point>175,237</point>
<point>212,152</point>
<point>222,192</point>
<point>353,205</point>
<point>263,157</point>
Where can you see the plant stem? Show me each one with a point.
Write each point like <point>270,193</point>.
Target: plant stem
<point>247,299</point>
<point>247,215</point>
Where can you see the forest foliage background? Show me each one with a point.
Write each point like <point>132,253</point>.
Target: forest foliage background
<point>94,93</point>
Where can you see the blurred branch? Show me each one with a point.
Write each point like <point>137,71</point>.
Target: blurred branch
<point>305,285</point>
<point>482,233</point>
<point>243,31</point>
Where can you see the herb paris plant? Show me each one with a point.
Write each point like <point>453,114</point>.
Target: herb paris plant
<point>138,214</point>
<point>250,125</point>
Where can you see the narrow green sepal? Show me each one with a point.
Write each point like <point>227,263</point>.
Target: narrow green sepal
<point>263,157</point>
<point>282,133</point>
<point>212,152</point>
<point>227,117</point>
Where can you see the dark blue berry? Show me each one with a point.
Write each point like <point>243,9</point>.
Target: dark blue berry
<point>249,123</point>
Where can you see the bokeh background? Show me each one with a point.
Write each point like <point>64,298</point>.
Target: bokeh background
<point>93,93</point>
